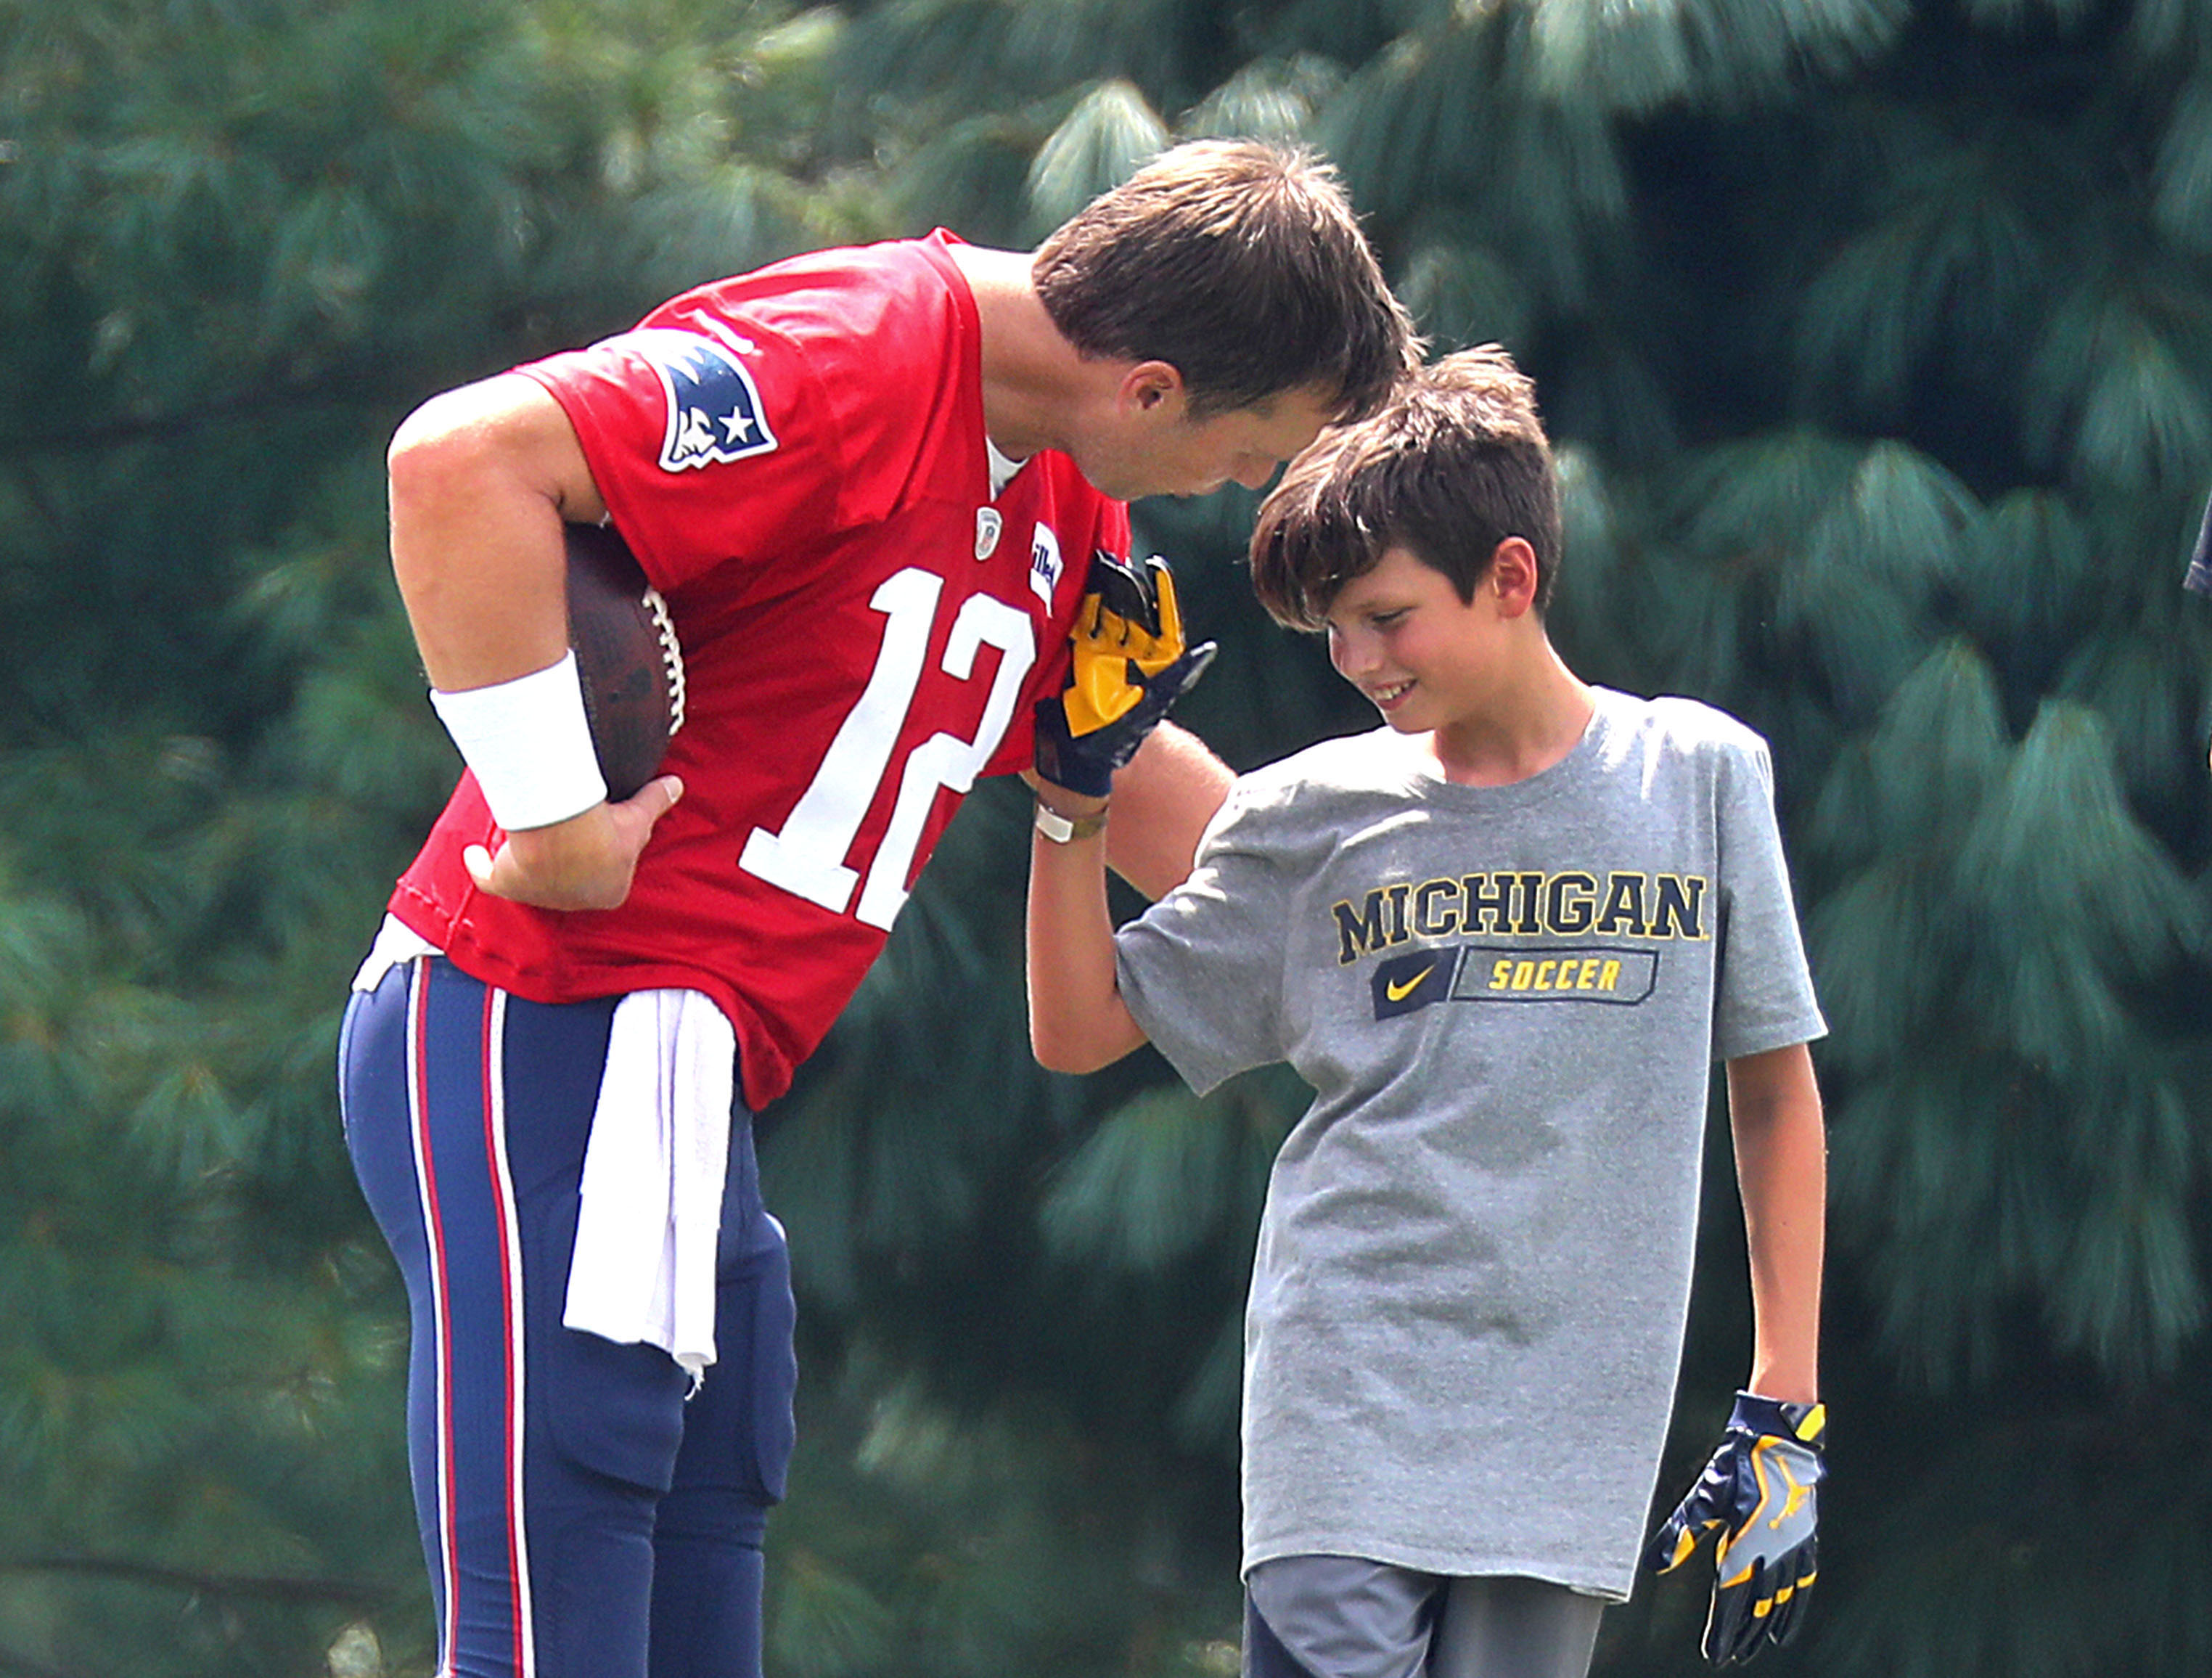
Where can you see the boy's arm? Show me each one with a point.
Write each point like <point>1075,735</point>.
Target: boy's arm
<point>1078,1021</point>
<point>1760,1492</point>
<point>1102,736</point>
<point>1162,800</point>
<point>1781,1162</point>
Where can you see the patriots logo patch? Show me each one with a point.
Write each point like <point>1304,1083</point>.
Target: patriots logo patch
<point>714,411</point>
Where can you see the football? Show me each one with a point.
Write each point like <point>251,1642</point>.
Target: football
<point>626,655</point>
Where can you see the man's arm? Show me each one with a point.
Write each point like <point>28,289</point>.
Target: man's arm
<point>1078,1021</point>
<point>1781,1162</point>
<point>482,480</point>
<point>1162,799</point>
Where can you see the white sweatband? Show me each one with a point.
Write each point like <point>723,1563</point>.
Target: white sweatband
<point>529,744</point>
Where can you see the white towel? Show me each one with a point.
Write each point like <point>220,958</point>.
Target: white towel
<point>644,1265</point>
<point>396,944</point>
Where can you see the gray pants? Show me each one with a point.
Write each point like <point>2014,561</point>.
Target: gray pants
<point>1342,1617</point>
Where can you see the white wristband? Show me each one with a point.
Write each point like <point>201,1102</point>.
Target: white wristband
<point>529,744</point>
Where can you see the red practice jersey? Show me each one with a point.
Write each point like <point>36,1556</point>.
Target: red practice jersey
<point>797,458</point>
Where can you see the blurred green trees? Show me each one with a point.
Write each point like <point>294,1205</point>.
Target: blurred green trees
<point>1877,335</point>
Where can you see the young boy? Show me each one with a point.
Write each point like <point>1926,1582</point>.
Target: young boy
<point>1503,937</point>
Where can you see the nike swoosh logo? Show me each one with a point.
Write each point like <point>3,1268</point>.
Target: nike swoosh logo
<point>1398,992</point>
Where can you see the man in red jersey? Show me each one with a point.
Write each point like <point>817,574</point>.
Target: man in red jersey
<point>870,484</point>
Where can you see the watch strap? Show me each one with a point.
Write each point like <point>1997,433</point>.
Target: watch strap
<point>1065,829</point>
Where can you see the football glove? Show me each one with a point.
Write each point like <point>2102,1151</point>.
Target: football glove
<point>1128,668</point>
<point>1760,1494</point>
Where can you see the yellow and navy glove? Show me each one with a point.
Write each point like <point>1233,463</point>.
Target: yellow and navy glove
<point>1129,666</point>
<point>1760,1493</point>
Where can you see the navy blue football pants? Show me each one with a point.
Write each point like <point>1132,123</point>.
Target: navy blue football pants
<point>581,1517</point>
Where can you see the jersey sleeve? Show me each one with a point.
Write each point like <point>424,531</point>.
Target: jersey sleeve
<point>1765,996</point>
<point>1201,970</point>
<point>767,412</point>
<point>706,450</point>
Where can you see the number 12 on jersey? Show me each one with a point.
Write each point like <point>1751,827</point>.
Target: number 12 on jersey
<point>812,855</point>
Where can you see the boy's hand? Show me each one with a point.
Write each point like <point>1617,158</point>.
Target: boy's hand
<point>1129,667</point>
<point>1760,1492</point>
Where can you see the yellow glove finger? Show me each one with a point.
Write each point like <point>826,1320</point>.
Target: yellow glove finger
<point>1166,646</point>
<point>1101,689</point>
<point>1146,597</point>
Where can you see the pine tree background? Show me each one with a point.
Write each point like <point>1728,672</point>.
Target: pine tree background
<point>1877,339</point>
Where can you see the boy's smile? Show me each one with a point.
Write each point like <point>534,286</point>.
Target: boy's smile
<point>1477,676</point>
<point>1400,634</point>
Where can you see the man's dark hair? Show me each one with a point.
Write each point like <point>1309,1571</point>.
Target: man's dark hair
<point>1241,265</point>
<point>1453,463</point>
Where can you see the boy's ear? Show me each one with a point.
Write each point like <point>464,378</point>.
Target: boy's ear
<point>1512,576</point>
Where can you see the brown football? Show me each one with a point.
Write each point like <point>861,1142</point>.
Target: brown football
<point>626,654</point>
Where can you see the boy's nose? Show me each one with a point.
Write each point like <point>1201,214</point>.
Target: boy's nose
<point>1350,653</point>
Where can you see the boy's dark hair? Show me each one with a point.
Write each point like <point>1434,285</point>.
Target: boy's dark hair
<point>1453,463</point>
<point>1241,265</point>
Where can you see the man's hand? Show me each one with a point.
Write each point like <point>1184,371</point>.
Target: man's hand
<point>1760,1494</point>
<point>585,862</point>
<point>1129,666</point>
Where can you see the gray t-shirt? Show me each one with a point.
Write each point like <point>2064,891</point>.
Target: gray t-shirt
<point>1468,1301</point>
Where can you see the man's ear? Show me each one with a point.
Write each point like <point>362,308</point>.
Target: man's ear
<point>1513,576</point>
<point>1149,385</point>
